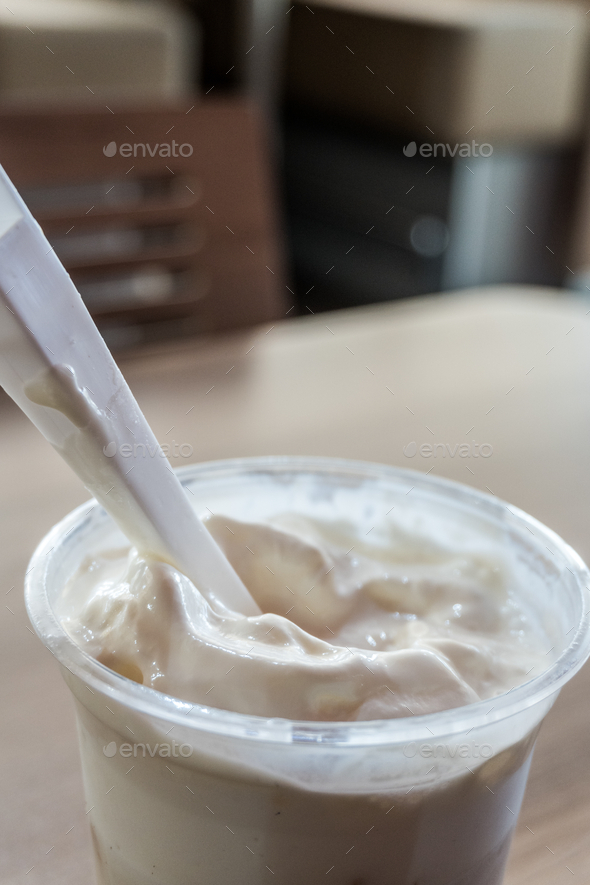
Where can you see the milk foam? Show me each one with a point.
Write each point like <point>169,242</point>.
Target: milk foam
<point>351,628</point>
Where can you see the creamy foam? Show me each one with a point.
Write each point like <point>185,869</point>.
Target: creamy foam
<point>351,628</point>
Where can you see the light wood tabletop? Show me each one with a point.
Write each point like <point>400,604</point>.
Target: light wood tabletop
<point>509,368</point>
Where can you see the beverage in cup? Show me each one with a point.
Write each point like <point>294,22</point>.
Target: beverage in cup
<point>379,732</point>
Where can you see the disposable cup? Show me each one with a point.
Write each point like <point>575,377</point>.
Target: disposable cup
<point>182,794</point>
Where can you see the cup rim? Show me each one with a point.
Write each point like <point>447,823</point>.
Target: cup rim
<point>147,700</point>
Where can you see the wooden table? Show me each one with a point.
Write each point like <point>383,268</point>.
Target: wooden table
<point>508,367</point>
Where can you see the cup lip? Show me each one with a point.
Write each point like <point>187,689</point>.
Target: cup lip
<point>145,700</point>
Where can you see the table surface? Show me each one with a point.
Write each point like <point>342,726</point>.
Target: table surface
<point>508,367</point>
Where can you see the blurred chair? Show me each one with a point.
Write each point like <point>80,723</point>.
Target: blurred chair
<point>165,219</point>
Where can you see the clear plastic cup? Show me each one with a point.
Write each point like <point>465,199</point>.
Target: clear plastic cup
<point>183,794</point>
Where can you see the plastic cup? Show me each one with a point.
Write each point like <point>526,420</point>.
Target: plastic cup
<point>182,794</point>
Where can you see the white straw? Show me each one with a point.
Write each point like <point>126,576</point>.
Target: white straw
<point>56,366</point>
